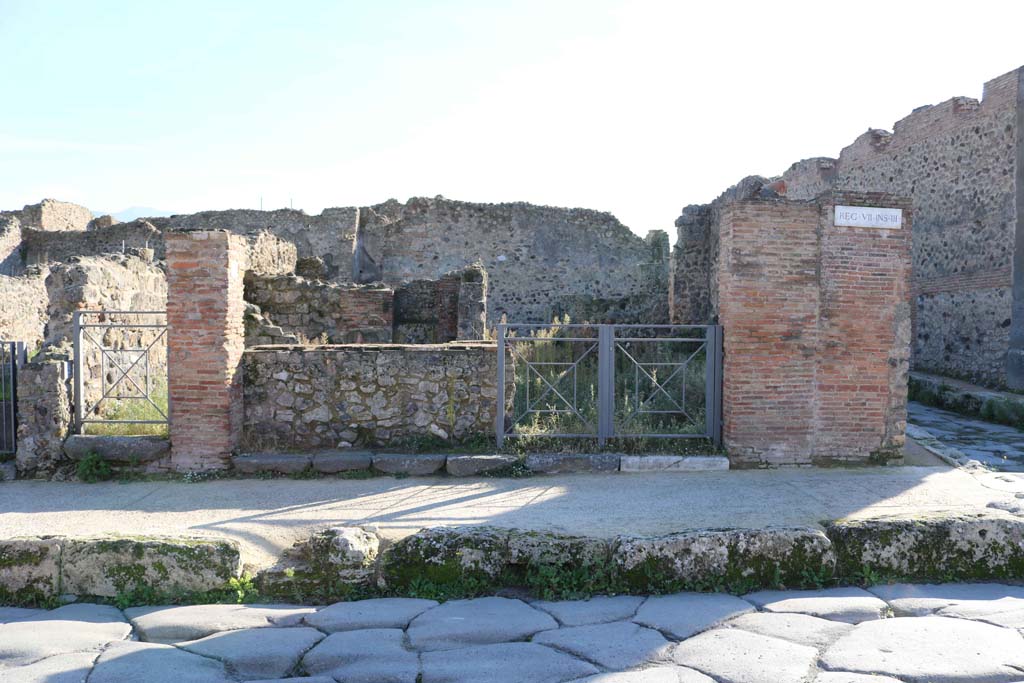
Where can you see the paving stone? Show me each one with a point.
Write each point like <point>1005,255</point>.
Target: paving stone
<point>71,668</point>
<point>618,645</point>
<point>503,663</point>
<point>846,677</point>
<point>597,610</point>
<point>658,674</point>
<point>461,623</point>
<point>1008,612</point>
<point>848,604</point>
<point>914,600</point>
<point>87,612</point>
<point>684,614</point>
<point>413,465</point>
<point>733,656</point>
<point>29,640</point>
<point>469,465</point>
<point>370,656</point>
<point>191,622</point>
<point>932,649</point>
<point>802,629</point>
<point>304,679</point>
<point>257,652</point>
<point>283,463</point>
<point>15,613</point>
<point>375,613</point>
<point>342,461</point>
<point>129,662</point>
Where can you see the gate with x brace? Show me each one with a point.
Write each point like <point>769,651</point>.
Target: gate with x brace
<point>609,381</point>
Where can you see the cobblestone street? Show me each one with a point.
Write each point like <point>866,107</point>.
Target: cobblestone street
<point>922,633</point>
<point>994,445</point>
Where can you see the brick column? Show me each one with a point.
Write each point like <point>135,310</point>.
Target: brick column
<point>816,325</point>
<point>206,338</point>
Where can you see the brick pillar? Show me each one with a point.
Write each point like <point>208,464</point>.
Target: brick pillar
<point>206,338</point>
<point>816,325</point>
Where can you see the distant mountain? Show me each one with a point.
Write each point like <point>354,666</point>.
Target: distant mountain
<point>133,212</point>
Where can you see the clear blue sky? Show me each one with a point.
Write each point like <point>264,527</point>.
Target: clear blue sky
<point>633,107</point>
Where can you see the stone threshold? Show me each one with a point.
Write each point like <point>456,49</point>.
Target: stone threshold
<point>344,561</point>
<point>422,464</point>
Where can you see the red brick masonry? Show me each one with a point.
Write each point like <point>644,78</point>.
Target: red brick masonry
<point>816,331</point>
<point>206,338</point>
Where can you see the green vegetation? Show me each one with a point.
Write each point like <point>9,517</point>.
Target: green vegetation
<point>134,409</point>
<point>993,409</point>
<point>93,468</point>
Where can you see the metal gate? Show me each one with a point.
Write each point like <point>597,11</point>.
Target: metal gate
<point>609,381</point>
<point>120,368</point>
<point>12,354</point>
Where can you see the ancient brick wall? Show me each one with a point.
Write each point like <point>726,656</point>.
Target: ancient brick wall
<point>816,323</point>
<point>542,261</point>
<point>368,395</point>
<point>206,338</point>
<point>311,309</point>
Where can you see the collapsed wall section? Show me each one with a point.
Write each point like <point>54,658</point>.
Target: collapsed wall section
<point>541,261</point>
<point>323,311</point>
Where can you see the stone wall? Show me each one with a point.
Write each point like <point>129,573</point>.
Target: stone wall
<point>312,309</point>
<point>541,261</point>
<point>958,162</point>
<point>329,236</point>
<point>10,245</point>
<point>54,215</point>
<point>23,313</point>
<point>816,323</point>
<point>44,417</point>
<point>323,397</point>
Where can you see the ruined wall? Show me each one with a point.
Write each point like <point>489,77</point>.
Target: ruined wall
<point>311,309</point>
<point>323,397</point>
<point>541,261</point>
<point>816,323</point>
<point>44,417</point>
<point>56,216</point>
<point>10,245</point>
<point>453,307</point>
<point>329,236</point>
<point>23,308</point>
<point>957,160</point>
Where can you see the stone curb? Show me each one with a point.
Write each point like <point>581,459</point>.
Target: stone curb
<point>423,464</point>
<point>35,569</point>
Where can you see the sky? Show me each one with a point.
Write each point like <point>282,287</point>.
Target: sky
<point>634,107</point>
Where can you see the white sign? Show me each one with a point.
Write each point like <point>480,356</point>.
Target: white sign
<point>868,217</point>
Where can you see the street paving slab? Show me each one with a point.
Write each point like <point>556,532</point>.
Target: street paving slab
<point>948,633</point>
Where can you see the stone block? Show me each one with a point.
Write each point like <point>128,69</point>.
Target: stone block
<point>412,465</point>
<point>561,463</point>
<point>341,461</point>
<point>673,463</point>
<point>921,547</point>
<point>108,567</point>
<point>469,465</point>
<point>281,463</point>
<point>29,569</point>
<point>119,449</point>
